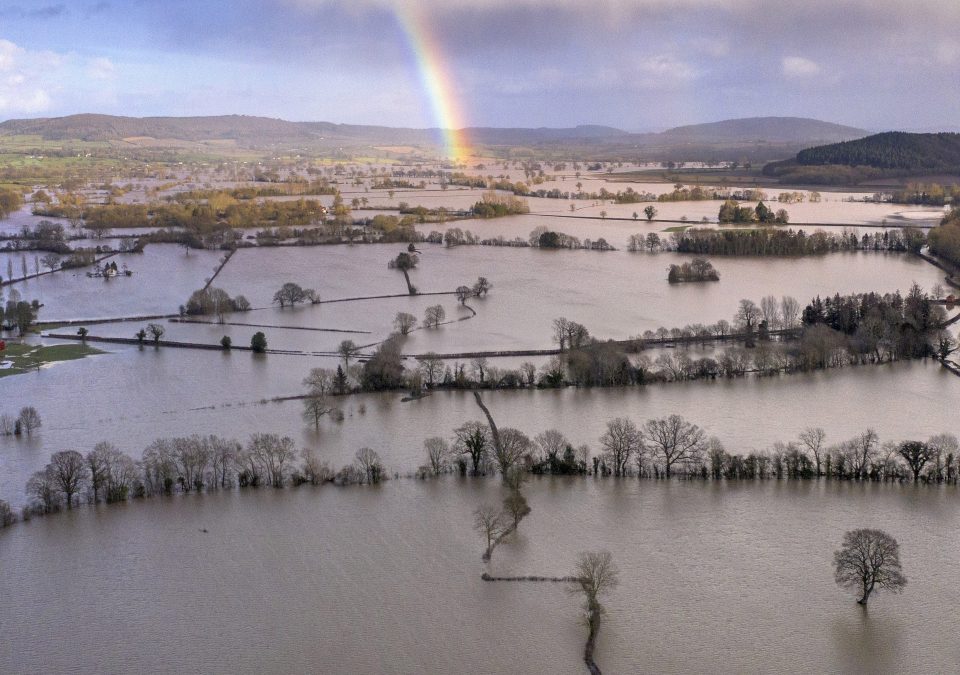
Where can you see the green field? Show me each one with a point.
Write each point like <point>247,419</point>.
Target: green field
<point>25,358</point>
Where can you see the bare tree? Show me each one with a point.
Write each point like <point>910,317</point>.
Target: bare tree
<point>43,490</point>
<point>748,314</point>
<point>404,322</point>
<point>347,350</point>
<point>438,452</point>
<point>434,315</point>
<point>223,459</point>
<point>529,373</point>
<point>473,440</point>
<point>943,446</point>
<point>98,468</point>
<point>431,366</point>
<point>28,420</point>
<point>862,450</point>
<point>370,465</point>
<point>570,334</point>
<point>69,473</point>
<point>515,505</point>
<point>191,455</point>
<point>463,294</point>
<point>560,331</point>
<point>156,332</point>
<point>813,439</point>
<point>868,560</point>
<point>482,287</point>
<point>621,441</point>
<point>274,455</point>
<point>789,312</point>
<point>50,261</point>
<point>674,440</point>
<point>480,367</point>
<point>770,308</point>
<point>596,575</point>
<point>315,471</point>
<point>513,445</point>
<point>289,294</point>
<point>488,521</point>
<point>551,444</point>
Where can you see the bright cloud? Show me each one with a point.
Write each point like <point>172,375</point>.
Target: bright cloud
<point>101,68</point>
<point>797,66</point>
<point>37,81</point>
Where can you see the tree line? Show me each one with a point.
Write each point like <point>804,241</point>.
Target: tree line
<point>780,242</point>
<point>196,463</point>
<point>945,239</point>
<point>778,336</point>
<point>672,446</point>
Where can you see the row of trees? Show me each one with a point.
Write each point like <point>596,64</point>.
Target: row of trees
<point>293,294</point>
<point>215,301</point>
<point>698,269</point>
<point>732,212</point>
<point>774,242</point>
<point>495,205</point>
<point>673,446</point>
<point>945,239</point>
<point>187,464</point>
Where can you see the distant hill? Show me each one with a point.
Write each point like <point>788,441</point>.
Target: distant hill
<point>756,139</point>
<point>766,129</point>
<point>90,127</point>
<point>895,150</point>
<point>892,154</point>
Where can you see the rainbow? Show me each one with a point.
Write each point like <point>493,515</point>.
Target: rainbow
<point>436,79</point>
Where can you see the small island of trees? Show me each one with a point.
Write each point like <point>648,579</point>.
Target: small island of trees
<point>698,269</point>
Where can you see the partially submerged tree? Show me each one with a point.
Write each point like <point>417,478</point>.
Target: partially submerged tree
<point>438,454</point>
<point>258,343</point>
<point>319,383</point>
<point>482,286</point>
<point>155,331</point>
<point>69,473</point>
<point>433,316</point>
<point>370,465</point>
<point>405,262</point>
<point>473,441</point>
<point>289,294</point>
<point>916,454</point>
<point>404,322</point>
<point>488,521</point>
<point>595,576</point>
<point>674,440</point>
<point>868,560</point>
<point>28,420</point>
<point>813,438</point>
<point>463,293</point>
<point>620,442</point>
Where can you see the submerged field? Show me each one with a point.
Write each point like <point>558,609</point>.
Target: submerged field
<point>387,577</point>
<point>725,578</point>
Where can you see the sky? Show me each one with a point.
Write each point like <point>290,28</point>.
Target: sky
<point>633,64</point>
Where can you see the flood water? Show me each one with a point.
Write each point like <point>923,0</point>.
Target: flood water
<point>83,404</point>
<point>715,577</point>
<point>615,294</point>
